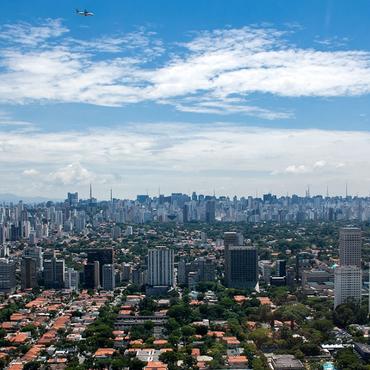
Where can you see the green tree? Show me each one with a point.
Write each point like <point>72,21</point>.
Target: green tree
<point>347,360</point>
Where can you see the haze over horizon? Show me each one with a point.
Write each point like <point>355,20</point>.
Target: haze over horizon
<point>231,97</point>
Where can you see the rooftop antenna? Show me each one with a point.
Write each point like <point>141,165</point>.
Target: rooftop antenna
<point>346,189</point>
<point>327,191</point>
<point>111,195</point>
<point>90,192</point>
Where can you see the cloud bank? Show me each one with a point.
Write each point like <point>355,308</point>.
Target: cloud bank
<point>185,157</point>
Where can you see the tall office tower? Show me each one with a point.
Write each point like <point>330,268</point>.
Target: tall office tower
<point>233,238</point>
<point>347,277</point>
<point>7,276</point>
<point>126,272</point>
<point>161,267</point>
<point>45,230</point>
<point>303,260</point>
<point>71,279</point>
<point>32,237</point>
<point>72,199</point>
<point>15,232</point>
<point>3,232</point>
<point>54,273</point>
<point>116,232</point>
<point>182,271</point>
<point>138,276</point>
<point>347,284</point>
<point>36,254</point>
<point>266,270</point>
<point>92,275</point>
<point>205,268</point>
<point>129,231</point>
<point>109,282</point>
<point>210,211</point>
<point>186,213</point>
<point>28,273</point>
<point>4,251</point>
<point>230,238</point>
<point>350,244</point>
<point>26,229</point>
<point>103,256</point>
<point>58,218</point>
<point>241,264</point>
<point>281,268</point>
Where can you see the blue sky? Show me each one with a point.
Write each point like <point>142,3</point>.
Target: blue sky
<point>236,96</point>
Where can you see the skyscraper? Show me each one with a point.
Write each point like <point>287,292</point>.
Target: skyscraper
<point>92,275</point>
<point>54,270</point>
<point>347,277</point>
<point>241,266</point>
<point>72,199</point>
<point>7,276</point>
<point>109,282</point>
<point>35,253</point>
<point>71,279</point>
<point>28,273</point>
<point>347,284</point>
<point>281,268</point>
<point>126,271</point>
<point>161,267</point>
<point>231,238</point>
<point>103,256</point>
<point>350,244</point>
<point>205,268</point>
<point>210,211</point>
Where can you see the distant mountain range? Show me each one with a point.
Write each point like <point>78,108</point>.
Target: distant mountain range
<point>8,197</point>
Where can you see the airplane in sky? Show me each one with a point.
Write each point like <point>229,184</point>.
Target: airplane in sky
<point>84,13</point>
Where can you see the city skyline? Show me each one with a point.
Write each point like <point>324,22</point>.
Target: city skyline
<point>184,185</point>
<point>233,98</point>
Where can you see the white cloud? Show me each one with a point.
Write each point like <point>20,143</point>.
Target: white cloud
<point>31,172</point>
<point>319,164</point>
<point>31,35</point>
<point>184,157</point>
<point>143,43</point>
<point>214,72</point>
<point>297,169</point>
<point>72,174</point>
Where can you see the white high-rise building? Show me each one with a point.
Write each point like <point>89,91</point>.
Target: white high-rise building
<point>161,267</point>
<point>347,277</point>
<point>26,229</point>
<point>129,231</point>
<point>350,243</point>
<point>71,279</point>
<point>347,284</point>
<point>59,218</point>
